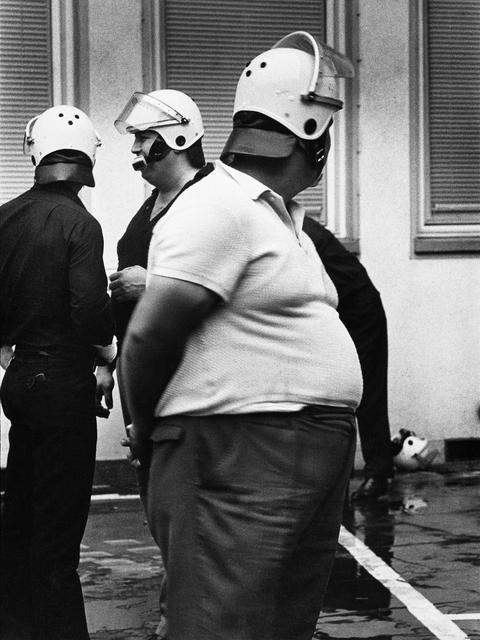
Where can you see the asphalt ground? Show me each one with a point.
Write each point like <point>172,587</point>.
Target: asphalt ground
<point>407,565</point>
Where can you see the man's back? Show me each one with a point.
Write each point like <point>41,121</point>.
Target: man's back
<point>52,279</point>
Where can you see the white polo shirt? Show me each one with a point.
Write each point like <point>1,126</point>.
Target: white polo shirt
<point>275,342</point>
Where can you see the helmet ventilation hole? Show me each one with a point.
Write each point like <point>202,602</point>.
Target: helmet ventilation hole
<point>77,116</point>
<point>263,65</point>
<point>180,141</point>
<point>60,115</point>
<point>70,122</point>
<point>310,126</point>
<point>249,73</point>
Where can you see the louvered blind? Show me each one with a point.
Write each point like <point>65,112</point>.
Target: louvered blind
<point>25,85</point>
<point>454,108</point>
<point>208,44</point>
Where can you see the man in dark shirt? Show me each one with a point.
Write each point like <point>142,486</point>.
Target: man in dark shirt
<point>55,312</point>
<point>170,170</point>
<point>168,153</point>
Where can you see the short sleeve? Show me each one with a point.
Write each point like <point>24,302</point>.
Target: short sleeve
<point>200,243</point>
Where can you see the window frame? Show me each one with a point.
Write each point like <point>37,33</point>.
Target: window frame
<point>341,176</point>
<point>430,233</point>
<point>69,40</point>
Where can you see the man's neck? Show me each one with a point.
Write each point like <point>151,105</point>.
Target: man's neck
<point>171,177</point>
<point>276,178</point>
<point>167,193</point>
<point>169,190</point>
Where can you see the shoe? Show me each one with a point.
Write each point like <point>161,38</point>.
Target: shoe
<point>371,488</point>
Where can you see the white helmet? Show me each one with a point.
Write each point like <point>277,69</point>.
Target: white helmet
<point>294,83</point>
<point>414,453</point>
<point>170,113</point>
<point>61,127</point>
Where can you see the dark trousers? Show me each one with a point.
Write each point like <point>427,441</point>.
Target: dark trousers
<point>246,510</point>
<point>363,315</point>
<point>51,459</point>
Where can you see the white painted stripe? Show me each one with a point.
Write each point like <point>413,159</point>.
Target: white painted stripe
<point>439,624</point>
<point>100,497</point>
<point>464,616</point>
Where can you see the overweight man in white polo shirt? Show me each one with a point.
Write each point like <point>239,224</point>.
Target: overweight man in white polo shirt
<point>237,367</point>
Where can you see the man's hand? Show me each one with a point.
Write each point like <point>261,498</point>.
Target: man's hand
<point>128,284</point>
<point>6,355</point>
<point>105,355</point>
<point>105,384</point>
<point>140,447</point>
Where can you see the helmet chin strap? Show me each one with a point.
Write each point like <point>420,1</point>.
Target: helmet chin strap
<point>158,151</point>
<point>317,150</point>
<point>138,163</point>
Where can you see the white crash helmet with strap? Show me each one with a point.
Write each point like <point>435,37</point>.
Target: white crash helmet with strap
<point>295,84</point>
<point>169,112</point>
<point>60,127</point>
<point>412,452</point>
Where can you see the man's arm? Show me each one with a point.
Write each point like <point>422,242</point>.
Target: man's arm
<point>343,267</point>
<point>162,322</point>
<point>90,309</point>
<point>89,301</point>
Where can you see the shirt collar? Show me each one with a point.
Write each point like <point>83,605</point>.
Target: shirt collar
<point>252,187</point>
<point>293,212</point>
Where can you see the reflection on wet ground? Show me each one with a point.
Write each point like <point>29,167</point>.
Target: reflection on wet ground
<point>423,542</point>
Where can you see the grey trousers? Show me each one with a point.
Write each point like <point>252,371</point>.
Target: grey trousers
<point>246,510</point>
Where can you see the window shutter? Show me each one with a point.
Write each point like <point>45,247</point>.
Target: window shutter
<point>208,44</point>
<point>454,109</point>
<point>25,85</point>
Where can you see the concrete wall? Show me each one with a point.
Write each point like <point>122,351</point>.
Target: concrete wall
<point>432,303</point>
<point>115,73</point>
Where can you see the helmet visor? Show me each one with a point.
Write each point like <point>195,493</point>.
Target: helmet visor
<point>332,62</point>
<point>27,138</point>
<point>144,111</point>
<point>327,61</point>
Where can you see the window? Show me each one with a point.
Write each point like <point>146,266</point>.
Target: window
<point>446,110</point>
<point>25,85</point>
<point>201,48</point>
<point>37,69</point>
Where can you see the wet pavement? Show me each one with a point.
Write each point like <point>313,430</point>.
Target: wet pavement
<point>407,565</point>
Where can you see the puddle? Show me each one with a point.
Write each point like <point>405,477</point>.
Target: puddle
<point>412,504</point>
<point>463,478</point>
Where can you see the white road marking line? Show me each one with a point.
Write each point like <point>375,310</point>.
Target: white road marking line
<point>115,562</point>
<point>463,616</point>
<point>95,554</point>
<point>100,497</point>
<point>432,618</point>
<point>123,542</point>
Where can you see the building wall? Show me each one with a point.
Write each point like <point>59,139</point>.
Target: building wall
<point>432,303</point>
